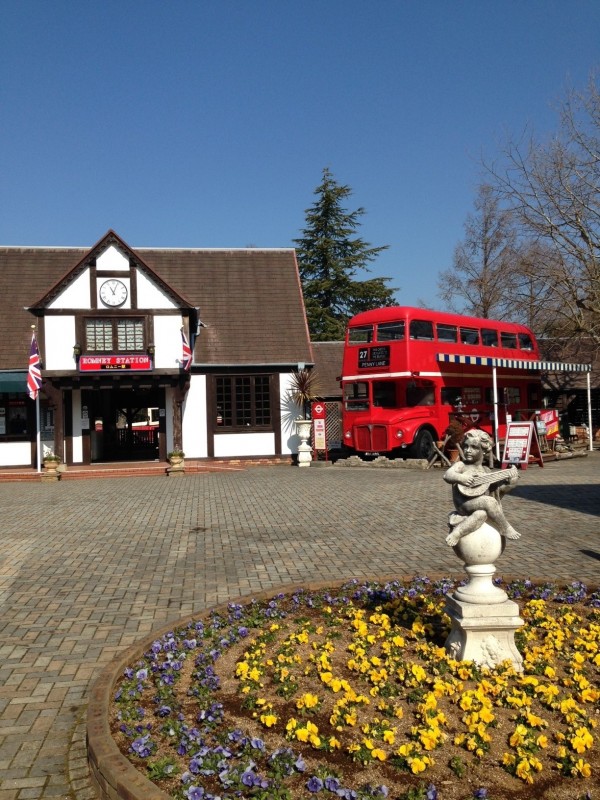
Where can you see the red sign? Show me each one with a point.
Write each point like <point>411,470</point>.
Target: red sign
<point>100,363</point>
<point>318,410</point>
<point>318,415</point>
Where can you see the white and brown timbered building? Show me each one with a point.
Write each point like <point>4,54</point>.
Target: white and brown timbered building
<point>110,323</point>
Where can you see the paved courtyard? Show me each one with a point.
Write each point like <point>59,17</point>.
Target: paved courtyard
<point>88,567</point>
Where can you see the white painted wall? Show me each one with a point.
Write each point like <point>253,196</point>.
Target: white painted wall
<point>149,295</point>
<point>76,294</point>
<point>59,340</point>
<point>289,412</point>
<point>232,445</point>
<point>167,340</point>
<point>112,259</point>
<point>15,454</point>
<point>194,435</point>
<point>77,434</point>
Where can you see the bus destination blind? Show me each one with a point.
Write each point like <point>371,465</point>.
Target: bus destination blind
<point>370,357</point>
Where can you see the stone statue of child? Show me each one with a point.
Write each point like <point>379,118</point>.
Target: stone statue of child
<point>477,491</point>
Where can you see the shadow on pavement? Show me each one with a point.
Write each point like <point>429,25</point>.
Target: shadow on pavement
<point>582,497</point>
<point>591,554</point>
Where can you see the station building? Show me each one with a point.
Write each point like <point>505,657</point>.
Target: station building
<point>111,323</point>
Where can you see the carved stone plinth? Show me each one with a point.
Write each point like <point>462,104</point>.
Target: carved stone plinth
<point>484,633</point>
<point>484,620</point>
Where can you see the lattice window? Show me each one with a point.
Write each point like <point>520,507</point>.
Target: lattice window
<point>130,335</point>
<point>99,335</point>
<point>243,401</point>
<point>106,335</point>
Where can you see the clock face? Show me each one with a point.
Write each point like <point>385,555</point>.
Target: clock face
<point>113,293</point>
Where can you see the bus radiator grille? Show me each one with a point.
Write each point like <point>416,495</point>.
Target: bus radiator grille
<point>371,438</point>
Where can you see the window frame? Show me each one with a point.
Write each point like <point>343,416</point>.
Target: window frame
<point>114,322</point>
<point>257,395</point>
<point>14,402</point>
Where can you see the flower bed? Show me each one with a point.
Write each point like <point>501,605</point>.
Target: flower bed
<point>349,693</point>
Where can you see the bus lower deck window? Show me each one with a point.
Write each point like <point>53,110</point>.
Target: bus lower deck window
<point>356,396</point>
<point>384,394</point>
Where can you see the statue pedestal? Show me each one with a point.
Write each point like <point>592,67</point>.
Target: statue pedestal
<point>484,620</point>
<point>484,633</point>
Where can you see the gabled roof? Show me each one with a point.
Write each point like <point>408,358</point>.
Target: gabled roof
<point>109,239</point>
<point>249,300</point>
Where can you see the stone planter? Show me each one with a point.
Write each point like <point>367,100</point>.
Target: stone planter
<point>51,472</point>
<point>303,429</point>
<point>176,465</point>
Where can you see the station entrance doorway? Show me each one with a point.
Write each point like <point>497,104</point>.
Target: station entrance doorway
<point>124,424</point>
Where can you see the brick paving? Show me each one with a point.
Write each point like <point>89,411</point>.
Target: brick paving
<point>88,567</point>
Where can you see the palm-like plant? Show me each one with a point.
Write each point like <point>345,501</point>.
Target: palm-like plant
<point>304,388</point>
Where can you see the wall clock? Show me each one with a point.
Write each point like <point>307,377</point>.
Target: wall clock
<point>113,293</point>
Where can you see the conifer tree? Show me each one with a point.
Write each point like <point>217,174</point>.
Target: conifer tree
<point>330,255</point>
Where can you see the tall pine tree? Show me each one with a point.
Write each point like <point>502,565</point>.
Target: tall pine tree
<point>329,257</point>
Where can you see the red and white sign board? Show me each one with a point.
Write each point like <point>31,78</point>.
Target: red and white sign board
<point>521,441</point>
<point>101,363</point>
<point>550,419</point>
<point>318,416</point>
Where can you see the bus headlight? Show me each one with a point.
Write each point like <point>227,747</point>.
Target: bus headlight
<point>348,435</point>
<point>399,434</point>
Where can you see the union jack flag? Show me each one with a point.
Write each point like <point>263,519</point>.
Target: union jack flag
<point>186,361</point>
<point>34,376</point>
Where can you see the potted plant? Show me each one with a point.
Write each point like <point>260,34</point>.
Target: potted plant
<point>303,390</point>
<point>454,434</point>
<point>176,462</point>
<point>51,465</point>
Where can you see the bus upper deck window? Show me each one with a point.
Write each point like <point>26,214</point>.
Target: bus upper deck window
<point>469,336</point>
<point>489,337</point>
<point>447,333</point>
<point>390,331</point>
<point>525,342</point>
<point>360,335</point>
<point>421,329</point>
<point>509,340</point>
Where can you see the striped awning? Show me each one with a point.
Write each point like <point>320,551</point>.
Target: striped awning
<point>513,363</point>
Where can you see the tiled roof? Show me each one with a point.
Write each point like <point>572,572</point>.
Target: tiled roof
<point>249,300</point>
<point>328,367</point>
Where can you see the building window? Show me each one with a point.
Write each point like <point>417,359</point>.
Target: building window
<point>114,335</point>
<point>13,416</point>
<point>243,401</point>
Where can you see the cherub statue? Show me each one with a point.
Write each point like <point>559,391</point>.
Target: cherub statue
<point>477,490</point>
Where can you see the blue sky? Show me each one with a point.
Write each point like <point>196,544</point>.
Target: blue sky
<point>188,123</point>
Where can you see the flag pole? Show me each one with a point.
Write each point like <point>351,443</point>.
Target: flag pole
<point>38,434</point>
<point>34,382</point>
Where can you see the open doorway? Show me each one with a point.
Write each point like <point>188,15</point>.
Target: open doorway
<point>125,424</point>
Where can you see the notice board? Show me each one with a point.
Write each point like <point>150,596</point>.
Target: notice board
<point>521,443</point>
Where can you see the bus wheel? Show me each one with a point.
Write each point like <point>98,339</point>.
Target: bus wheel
<point>423,446</point>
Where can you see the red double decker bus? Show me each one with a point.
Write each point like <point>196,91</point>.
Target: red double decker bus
<point>407,372</point>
